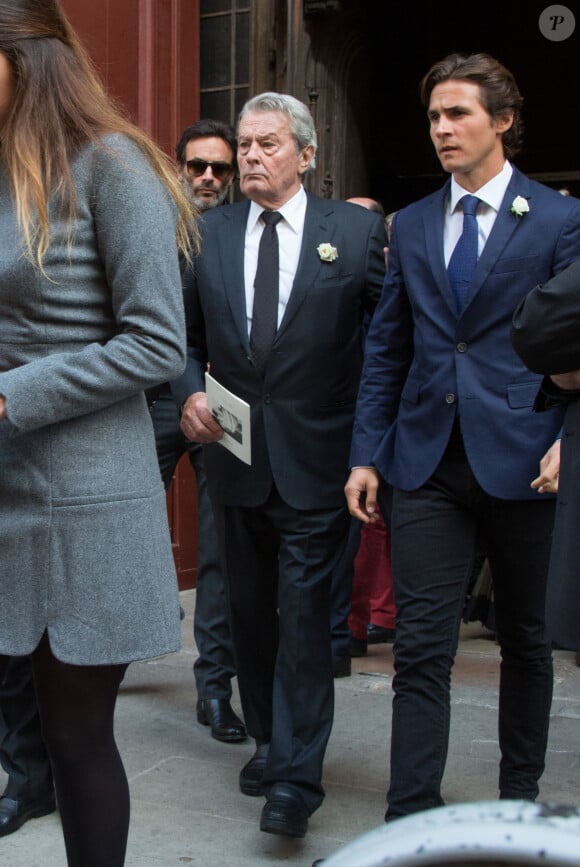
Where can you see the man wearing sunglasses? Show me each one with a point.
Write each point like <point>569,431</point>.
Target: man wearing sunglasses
<point>206,157</point>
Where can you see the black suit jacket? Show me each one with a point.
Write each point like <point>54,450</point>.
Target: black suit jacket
<point>545,333</point>
<point>302,408</point>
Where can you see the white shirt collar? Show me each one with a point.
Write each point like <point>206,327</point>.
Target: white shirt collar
<point>293,212</point>
<point>492,193</point>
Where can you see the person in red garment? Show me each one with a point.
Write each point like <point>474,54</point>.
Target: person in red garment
<point>372,614</point>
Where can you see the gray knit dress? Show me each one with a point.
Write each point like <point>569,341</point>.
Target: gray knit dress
<point>84,541</point>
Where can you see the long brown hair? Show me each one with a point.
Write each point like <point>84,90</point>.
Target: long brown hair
<point>59,105</point>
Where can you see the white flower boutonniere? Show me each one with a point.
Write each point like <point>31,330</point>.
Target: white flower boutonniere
<point>327,252</point>
<point>520,206</point>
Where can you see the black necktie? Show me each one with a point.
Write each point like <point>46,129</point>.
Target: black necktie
<point>461,267</point>
<point>265,310</point>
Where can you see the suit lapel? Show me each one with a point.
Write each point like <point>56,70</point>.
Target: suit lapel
<point>433,225</point>
<point>318,228</point>
<point>231,258</point>
<point>503,228</point>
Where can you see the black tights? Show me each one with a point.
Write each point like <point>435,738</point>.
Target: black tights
<point>77,704</point>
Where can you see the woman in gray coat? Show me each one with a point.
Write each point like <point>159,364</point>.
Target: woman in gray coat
<point>90,315</point>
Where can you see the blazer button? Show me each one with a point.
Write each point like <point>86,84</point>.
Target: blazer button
<point>450,398</point>
<point>267,398</point>
<point>462,347</point>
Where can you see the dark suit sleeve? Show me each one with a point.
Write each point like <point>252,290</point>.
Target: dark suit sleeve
<point>388,355</point>
<point>545,332</point>
<point>546,324</point>
<point>192,379</point>
<point>375,263</point>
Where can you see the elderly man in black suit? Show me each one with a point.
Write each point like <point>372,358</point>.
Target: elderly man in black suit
<point>545,335</point>
<point>275,307</point>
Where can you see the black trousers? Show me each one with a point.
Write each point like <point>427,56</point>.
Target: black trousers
<point>279,562</point>
<point>22,752</point>
<point>214,668</point>
<point>435,538</point>
<point>341,593</point>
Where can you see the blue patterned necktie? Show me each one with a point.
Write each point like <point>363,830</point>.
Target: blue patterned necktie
<point>462,264</point>
<point>265,309</point>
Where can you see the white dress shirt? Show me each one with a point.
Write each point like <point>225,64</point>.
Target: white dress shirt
<point>290,231</point>
<point>491,195</point>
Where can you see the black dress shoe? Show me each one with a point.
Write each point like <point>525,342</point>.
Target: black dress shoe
<point>225,725</point>
<point>253,771</point>
<point>318,861</point>
<point>380,634</point>
<point>341,666</point>
<point>284,813</point>
<point>13,813</point>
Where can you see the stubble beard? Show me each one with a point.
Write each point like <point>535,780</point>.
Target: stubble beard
<point>203,204</point>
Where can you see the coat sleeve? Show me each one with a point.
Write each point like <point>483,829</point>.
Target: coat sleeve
<point>388,355</point>
<point>134,232</point>
<point>375,263</point>
<point>546,324</point>
<point>192,379</point>
<point>545,331</point>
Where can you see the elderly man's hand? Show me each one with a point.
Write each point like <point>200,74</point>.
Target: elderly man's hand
<point>197,422</point>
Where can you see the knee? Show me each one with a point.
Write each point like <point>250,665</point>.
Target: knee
<point>537,658</point>
<point>425,663</point>
<point>69,740</point>
<point>525,646</point>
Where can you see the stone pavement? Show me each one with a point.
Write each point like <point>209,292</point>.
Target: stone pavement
<point>186,806</point>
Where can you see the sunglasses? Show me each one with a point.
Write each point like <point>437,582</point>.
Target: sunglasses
<point>219,170</point>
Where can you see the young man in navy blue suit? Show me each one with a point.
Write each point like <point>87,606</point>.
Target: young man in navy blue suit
<point>282,521</point>
<point>444,416</point>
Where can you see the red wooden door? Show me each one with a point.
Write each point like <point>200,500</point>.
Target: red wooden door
<point>147,52</point>
<point>182,514</point>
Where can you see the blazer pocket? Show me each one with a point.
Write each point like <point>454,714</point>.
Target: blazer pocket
<point>411,391</point>
<point>522,263</point>
<point>326,409</point>
<point>522,394</point>
<point>329,276</point>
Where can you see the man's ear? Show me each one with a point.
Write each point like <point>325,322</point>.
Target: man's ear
<point>503,122</point>
<point>306,157</point>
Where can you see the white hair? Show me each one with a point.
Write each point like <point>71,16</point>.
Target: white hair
<point>301,121</point>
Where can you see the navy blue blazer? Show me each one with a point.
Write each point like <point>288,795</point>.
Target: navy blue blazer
<point>302,410</point>
<point>424,363</point>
